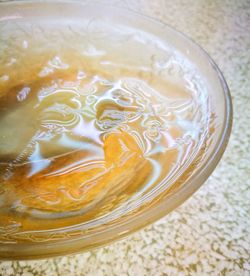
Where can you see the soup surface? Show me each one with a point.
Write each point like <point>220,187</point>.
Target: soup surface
<point>91,120</point>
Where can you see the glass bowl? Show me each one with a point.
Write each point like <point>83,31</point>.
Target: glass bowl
<point>129,217</point>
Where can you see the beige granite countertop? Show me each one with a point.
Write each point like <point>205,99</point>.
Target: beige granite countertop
<point>210,233</point>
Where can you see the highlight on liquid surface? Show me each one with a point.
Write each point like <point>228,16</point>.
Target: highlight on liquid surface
<point>91,121</point>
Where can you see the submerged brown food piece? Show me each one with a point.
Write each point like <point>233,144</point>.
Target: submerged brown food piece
<point>87,184</point>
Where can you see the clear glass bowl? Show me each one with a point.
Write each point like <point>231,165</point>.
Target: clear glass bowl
<point>146,210</point>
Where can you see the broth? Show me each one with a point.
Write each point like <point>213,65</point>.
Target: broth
<point>85,128</point>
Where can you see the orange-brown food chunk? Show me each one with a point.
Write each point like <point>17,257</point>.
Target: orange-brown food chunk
<point>86,184</point>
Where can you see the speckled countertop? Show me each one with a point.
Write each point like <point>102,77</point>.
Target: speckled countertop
<point>210,233</point>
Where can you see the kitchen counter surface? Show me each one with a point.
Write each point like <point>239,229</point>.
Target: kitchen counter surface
<point>210,233</point>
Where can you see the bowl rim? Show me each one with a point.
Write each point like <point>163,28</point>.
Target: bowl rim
<point>132,224</point>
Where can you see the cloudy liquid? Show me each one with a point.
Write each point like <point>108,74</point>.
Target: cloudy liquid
<point>85,129</point>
